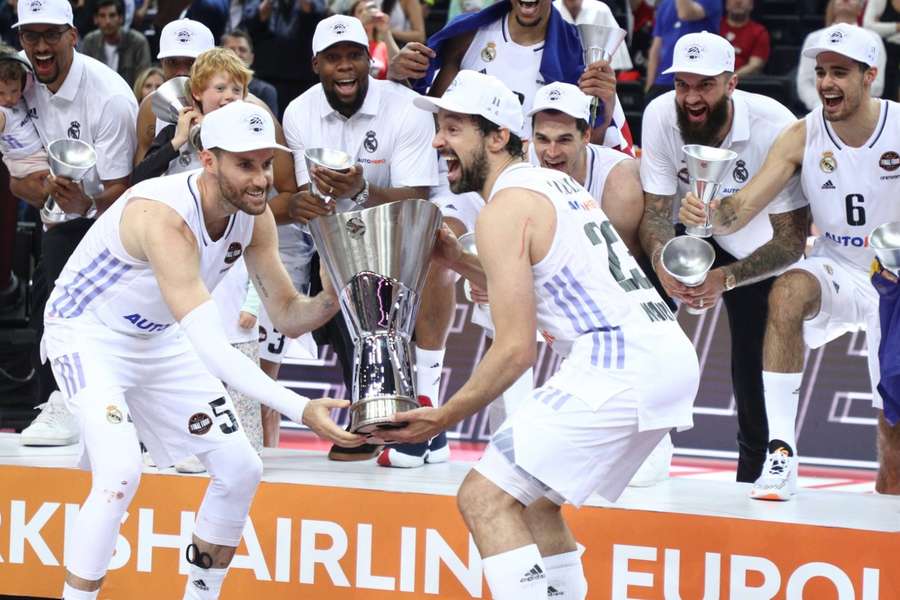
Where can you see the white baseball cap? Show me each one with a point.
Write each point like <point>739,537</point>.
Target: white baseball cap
<point>239,127</point>
<point>185,37</point>
<point>848,40</point>
<point>474,93</point>
<point>702,53</point>
<point>44,12</point>
<point>563,97</point>
<point>337,29</point>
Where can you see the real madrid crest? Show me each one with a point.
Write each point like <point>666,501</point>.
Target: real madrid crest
<point>489,52</point>
<point>740,172</point>
<point>828,163</point>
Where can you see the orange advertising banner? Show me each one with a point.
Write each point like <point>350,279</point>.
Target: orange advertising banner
<point>335,543</point>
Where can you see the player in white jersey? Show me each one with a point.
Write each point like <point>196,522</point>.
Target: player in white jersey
<point>846,153</point>
<point>137,344</point>
<point>549,259</point>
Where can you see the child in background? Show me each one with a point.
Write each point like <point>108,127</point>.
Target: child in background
<point>23,152</point>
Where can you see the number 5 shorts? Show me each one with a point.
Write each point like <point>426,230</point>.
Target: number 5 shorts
<point>159,386</point>
<point>849,304</point>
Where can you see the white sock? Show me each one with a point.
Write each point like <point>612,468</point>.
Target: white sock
<point>204,584</point>
<point>429,364</point>
<point>565,576</point>
<point>782,394</point>
<point>70,593</point>
<point>516,574</point>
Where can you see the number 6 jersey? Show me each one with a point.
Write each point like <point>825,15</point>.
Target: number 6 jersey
<point>851,191</point>
<point>597,308</point>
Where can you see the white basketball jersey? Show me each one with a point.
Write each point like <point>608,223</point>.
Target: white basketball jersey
<point>102,281</point>
<point>851,191</point>
<point>596,307</point>
<point>188,159</point>
<point>493,52</point>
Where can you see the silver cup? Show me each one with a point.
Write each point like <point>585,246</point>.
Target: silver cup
<point>68,158</point>
<point>688,259</point>
<point>170,98</point>
<point>330,159</point>
<point>377,259</point>
<point>707,167</point>
<point>885,241</point>
<point>599,43</point>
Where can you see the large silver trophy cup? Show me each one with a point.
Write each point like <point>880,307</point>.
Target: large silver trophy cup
<point>71,159</point>
<point>330,159</point>
<point>599,43</point>
<point>169,100</point>
<point>885,241</point>
<point>688,260</point>
<point>377,259</point>
<point>706,168</point>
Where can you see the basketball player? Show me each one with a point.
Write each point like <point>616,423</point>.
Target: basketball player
<point>845,151</point>
<point>551,260</point>
<point>138,348</point>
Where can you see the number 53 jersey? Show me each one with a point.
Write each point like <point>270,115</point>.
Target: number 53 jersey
<point>851,191</point>
<point>596,308</point>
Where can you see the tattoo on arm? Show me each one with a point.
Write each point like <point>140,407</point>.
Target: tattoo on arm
<point>261,288</point>
<point>725,215</point>
<point>656,225</point>
<point>785,247</point>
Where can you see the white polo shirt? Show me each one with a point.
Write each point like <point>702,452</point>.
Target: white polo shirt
<point>388,136</point>
<point>757,122</point>
<point>595,12</point>
<point>93,104</point>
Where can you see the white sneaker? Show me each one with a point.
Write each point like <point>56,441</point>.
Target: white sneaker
<point>656,466</point>
<point>191,464</point>
<point>779,477</point>
<point>55,426</point>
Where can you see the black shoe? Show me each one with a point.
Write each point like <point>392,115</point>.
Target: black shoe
<point>364,452</point>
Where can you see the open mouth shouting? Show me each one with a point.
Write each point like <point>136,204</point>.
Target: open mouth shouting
<point>696,114</point>
<point>44,65</point>
<point>529,9</point>
<point>346,88</point>
<point>832,100</point>
<point>454,168</point>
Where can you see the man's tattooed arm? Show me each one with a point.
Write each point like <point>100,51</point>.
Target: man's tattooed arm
<point>786,247</point>
<point>656,225</point>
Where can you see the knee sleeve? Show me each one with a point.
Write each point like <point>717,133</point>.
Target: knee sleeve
<point>235,470</point>
<point>112,447</point>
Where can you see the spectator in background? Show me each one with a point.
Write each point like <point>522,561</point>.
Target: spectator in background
<point>125,51</point>
<point>239,42</point>
<point>7,19</point>
<point>147,82</point>
<point>382,46</point>
<point>883,18</point>
<point>844,11</point>
<point>406,20</point>
<point>282,32</point>
<point>674,19</point>
<point>595,12</point>
<point>212,13</point>
<point>749,38</point>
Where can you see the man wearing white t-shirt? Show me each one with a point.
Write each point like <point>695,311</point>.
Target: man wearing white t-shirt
<point>706,109</point>
<point>374,122</point>
<point>74,97</point>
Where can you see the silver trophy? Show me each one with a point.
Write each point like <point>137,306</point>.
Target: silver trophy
<point>72,159</point>
<point>599,43</point>
<point>377,259</point>
<point>330,159</point>
<point>688,259</point>
<point>706,168</point>
<point>467,241</point>
<point>168,101</point>
<point>885,241</point>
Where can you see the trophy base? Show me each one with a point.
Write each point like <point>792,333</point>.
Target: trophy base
<point>372,414</point>
<point>700,232</point>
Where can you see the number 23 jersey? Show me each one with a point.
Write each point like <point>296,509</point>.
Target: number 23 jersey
<point>597,308</point>
<point>851,191</point>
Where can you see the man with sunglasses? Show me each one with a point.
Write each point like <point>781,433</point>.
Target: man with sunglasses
<point>74,97</point>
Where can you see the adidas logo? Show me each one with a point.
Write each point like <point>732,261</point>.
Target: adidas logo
<point>837,288</point>
<point>200,585</point>
<point>535,573</point>
<point>828,185</point>
<point>552,592</point>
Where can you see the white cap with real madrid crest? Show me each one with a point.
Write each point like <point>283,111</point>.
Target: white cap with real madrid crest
<point>239,127</point>
<point>702,53</point>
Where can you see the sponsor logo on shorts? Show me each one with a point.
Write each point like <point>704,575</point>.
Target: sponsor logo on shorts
<point>199,423</point>
<point>533,574</point>
<point>889,161</point>
<point>113,414</point>
<point>234,252</point>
